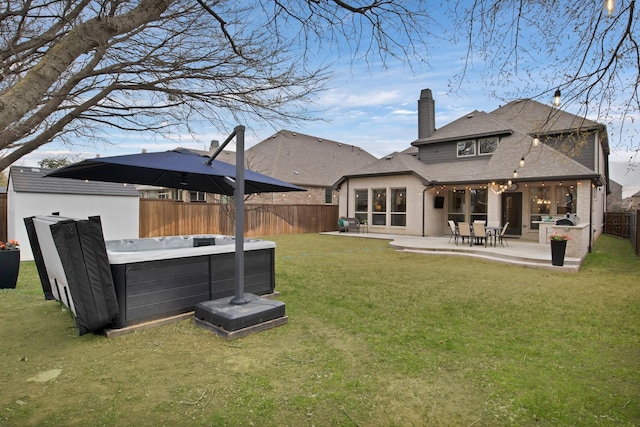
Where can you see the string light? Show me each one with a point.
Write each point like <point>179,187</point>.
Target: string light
<point>556,98</point>
<point>536,142</point>
<point>610,6</point>
<point>522,161</point>
<point>515,174</point>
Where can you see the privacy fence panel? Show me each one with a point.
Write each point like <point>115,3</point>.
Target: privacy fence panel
<point>170,218</point>
<point>618,224</point>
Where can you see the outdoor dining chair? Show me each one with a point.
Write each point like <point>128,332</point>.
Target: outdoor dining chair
<point>464,230</point>
<point>454,232</point>
<point>479,232</point>
<point>501,236</point>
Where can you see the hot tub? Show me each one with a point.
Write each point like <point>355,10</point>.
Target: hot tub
<point>164,276</point>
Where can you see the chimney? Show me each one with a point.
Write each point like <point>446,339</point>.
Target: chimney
<point>426,114</point>
<point>214,145</point>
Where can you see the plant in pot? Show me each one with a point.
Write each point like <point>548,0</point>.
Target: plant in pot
<point>558,248</point>
<point>9,264</point>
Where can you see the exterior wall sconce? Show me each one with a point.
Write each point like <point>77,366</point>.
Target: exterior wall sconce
<point>556,98</point>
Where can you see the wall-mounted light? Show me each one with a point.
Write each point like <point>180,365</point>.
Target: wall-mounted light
<point>556,98</point>
<point>522,161</point>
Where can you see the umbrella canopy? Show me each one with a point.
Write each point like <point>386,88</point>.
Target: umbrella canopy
<point>180,168</point>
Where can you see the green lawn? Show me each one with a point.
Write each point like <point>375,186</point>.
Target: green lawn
<point>375,338</point>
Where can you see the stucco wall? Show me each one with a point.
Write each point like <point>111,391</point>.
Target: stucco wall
<point>119,215</point>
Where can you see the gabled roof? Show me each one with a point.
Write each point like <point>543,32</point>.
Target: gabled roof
<point>542,162</point>
<point>305,160</point>
<point>536,118</point>
<point>476,124</point>
<point>32,180</point>
<point>392,164</point>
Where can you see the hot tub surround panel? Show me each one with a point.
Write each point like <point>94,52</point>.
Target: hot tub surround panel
<point>153,283</point>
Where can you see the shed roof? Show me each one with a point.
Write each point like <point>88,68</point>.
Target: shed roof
<point>32,180</point>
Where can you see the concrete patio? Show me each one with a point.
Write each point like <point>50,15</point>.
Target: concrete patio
<point>525,253</point>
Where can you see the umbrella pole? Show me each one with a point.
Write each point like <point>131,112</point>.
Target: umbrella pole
<point>238,194</point>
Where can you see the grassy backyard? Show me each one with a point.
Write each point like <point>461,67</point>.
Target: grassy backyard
<point>375,338</point>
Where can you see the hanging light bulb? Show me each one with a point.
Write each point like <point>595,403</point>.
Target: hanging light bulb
<point>556,98</point>
<point>515,173</point>
<point>610,6</point>
<point>522,161</point>
<point>536,142</point>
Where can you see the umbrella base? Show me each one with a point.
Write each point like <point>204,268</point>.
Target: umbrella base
<point>233,320</point>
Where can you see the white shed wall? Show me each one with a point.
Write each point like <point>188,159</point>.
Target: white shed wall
<point>120,215</point>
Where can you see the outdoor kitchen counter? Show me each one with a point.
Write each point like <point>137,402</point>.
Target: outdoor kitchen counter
<point>577,247</point>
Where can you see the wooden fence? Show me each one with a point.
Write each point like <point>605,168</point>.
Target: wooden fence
<point>170,218</point>
<point>625,225</point>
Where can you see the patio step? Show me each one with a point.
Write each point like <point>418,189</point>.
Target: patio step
<point>570,264</point>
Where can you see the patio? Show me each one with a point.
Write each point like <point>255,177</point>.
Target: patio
<point>525,253</point>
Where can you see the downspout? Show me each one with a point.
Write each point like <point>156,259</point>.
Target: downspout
<point>348,195</point>
<point>424,199</point>
<point>590,216</point>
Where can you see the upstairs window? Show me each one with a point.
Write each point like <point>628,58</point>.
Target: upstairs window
<point>487,145</point>
<point>466,148</point>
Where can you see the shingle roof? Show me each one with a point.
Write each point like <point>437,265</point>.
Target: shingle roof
<point>535,118</point>
<point>473,125</point>
<point>305,160</point>
<point>393,164</point>
<point>514,122</point>
<point>32,180</point>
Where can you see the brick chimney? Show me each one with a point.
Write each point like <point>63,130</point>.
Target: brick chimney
<point>426,114</point>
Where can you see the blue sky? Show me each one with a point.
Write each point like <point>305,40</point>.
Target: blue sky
<point>370,107</point>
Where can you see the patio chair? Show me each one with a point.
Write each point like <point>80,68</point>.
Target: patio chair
<point>454,231</point>
<point>501,236</point>
<point>464,230</point>
<point>479,232</point>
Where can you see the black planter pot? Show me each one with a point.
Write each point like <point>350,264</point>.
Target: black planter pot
<point>558,249</point>
<point>9,267</point>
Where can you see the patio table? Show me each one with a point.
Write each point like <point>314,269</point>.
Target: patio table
<point>493,230</point>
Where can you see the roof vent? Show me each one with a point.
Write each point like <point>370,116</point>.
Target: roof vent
<point>296,172</point>
<point>294,134</point>
<point>470,116</point>
<point>319,139</point>
<point>389,157</point>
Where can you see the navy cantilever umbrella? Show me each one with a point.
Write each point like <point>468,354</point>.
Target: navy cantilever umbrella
<point>184,169</point>
<point>181,169</point>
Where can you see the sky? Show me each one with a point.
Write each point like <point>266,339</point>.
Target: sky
<point>369,107</point>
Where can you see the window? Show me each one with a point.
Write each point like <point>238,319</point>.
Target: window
<point>478,207</point>
<point>328,196</point>
<point>566,200</point>
<point>197,196</point>
<point>399,207</point>
<point>466,148</point>
<point>362,204</point>
<point>540,205</point>
<point>379,215</point>
<point>487,145</point>
<point>455,205</point>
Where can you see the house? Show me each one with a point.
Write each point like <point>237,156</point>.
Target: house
<point>307,161</point>
<point>635,202</point>
<point>524,163</point>
<point>30,193</point>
